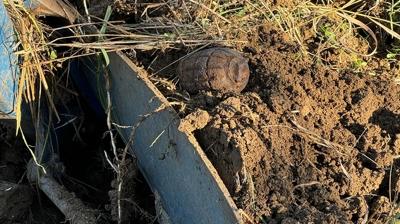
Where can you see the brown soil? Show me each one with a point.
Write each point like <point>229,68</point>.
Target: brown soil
<point>307,143</point>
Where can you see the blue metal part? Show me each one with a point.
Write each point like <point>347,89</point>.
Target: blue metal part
<point>86,87</point>
<point>31,4</point>
<point>8,66</point>
<point>171,160</point>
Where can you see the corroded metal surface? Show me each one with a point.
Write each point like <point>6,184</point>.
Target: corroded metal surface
<point>218,69</point>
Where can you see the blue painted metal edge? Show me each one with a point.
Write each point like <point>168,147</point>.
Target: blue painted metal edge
<point>9,72</point>
<point>172,161</point>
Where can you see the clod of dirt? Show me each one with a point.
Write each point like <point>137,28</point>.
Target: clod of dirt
<point>219,69</point>
<point>194,121</point>
<point>235,148</point>
<point>15,201</point>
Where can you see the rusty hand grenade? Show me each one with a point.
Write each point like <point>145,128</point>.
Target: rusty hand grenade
<point>218,69</point>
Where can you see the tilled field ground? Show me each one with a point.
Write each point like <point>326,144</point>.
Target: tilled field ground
<point>306,143</point>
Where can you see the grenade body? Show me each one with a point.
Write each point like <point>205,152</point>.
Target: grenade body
<point>217,69</point>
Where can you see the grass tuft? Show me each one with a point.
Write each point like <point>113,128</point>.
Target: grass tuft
<point>33,50</point>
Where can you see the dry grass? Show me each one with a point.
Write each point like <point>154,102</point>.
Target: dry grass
<point>332,23</point>
<point>39,59</point>
<point>32,51</point>
<point>351,29</point>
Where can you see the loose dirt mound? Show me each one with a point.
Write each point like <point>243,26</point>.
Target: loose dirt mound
<point>306,143</point>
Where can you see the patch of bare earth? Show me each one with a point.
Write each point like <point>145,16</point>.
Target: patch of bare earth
<point>307,143</point>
